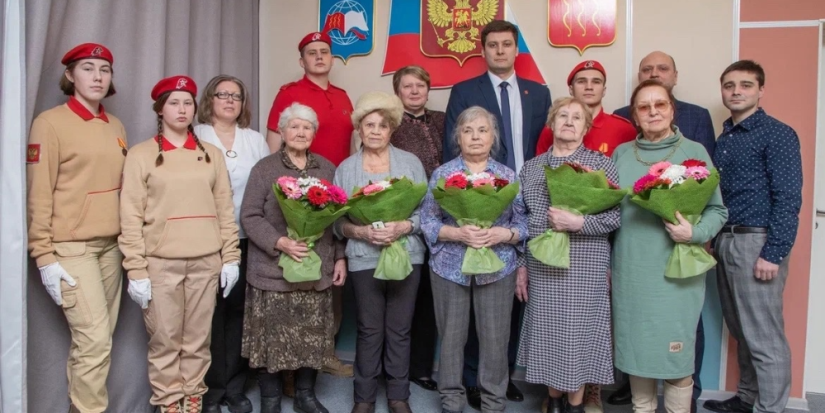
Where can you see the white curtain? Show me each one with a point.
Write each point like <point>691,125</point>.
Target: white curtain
<point>12,212</point>
<point>150,40</point>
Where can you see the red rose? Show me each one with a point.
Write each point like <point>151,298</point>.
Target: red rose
<point>456,181</point>
<point>317,196</point>
<point>324,182</point>
<point>693,162</point>
<point>500,183</point>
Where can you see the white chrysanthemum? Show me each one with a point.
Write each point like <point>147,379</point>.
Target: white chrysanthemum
<point>383,184</point>
<point>674,173</point>
<point>306,183</point>
<point>480,175</point>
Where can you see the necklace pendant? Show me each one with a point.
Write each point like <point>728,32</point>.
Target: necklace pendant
<point>231,154</point>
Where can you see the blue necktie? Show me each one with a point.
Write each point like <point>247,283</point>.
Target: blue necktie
<point>507,126</point>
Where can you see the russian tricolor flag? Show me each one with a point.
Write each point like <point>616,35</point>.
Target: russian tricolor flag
<point>404,48</point>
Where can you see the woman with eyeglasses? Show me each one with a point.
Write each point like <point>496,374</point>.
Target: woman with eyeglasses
<point>654,317</point>
<point>224,117</point>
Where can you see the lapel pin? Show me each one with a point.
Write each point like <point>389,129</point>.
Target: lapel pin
<point>526,91</point>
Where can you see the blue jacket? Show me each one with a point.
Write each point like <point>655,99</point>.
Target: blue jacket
<point>478,91</point>
<point>693,121</point>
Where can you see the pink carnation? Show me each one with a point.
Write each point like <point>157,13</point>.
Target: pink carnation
<point>338,195</point>
<point>372,188</point>
<point>697,172</point>
<point>482,181</point>
<point>658,168</point>
<point>290,187</point>
<point>639,186</point>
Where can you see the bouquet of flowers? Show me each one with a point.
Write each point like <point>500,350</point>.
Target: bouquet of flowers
<point>580,190</point>
<point>388,200</point>
<point>309,206</point>
<point>476,199</point>
<point>687,188</point>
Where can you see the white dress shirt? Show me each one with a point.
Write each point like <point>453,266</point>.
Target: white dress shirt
<point>250,147</point>
<point>516,119</point>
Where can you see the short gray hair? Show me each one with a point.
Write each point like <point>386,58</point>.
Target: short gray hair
<point>470,114</point>
<point>297,111</point>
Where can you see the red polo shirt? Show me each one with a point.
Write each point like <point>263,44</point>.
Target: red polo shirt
<point>333,108</point>
<point>608,132</point>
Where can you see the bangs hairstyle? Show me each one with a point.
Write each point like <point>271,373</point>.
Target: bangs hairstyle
<point>158,107</point>
<point>470,114</point>
<point>646,84</point>
<point>748,66</point>
<point>386,116</point>
<point>416,71</point>
<point>67,86</point>
<point>498,26</point>
<point>206,113</point>
<point>564,102</point>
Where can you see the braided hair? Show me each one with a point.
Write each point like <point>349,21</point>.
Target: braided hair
<point>159,159</point>
<point>158,107</point>
<point>198,142</point>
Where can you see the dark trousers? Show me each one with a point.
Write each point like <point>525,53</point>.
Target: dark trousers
<point>423,333</point>
<point>699,356</point>
<point>384,312</point>
<point>227,373</point>
<point>471,348</point>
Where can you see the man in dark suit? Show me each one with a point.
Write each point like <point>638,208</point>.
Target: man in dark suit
<point>693,121</point>
<point>529,102</point>
<point>695,124</point>
<point>521,108</point>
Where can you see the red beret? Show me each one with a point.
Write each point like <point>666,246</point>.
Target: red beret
<point>174,83</point>
<point>586,65</point>
<point>88,51</point>
<point>314,37</point>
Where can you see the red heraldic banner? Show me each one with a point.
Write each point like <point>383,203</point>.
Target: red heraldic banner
<point>444,37</point>
<point>581,23</point>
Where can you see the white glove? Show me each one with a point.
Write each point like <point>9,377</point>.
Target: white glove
<point>51,275</point>
<point>141,292</point>
<point>229,276</point>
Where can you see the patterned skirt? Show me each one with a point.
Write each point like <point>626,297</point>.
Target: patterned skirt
<point>287,330</point>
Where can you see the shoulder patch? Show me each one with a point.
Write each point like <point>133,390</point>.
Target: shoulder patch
<point>615,116</point>
<point>288,85</point>
<point>33,153</point>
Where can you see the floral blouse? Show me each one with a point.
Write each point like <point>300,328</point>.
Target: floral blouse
<point>446,257</point>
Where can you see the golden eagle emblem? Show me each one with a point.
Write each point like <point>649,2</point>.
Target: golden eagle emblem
<point>462,22</point>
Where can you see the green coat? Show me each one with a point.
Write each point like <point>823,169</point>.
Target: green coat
<point>655,318</point>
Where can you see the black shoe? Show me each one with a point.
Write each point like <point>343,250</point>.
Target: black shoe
<point>574,409</point>
<point>211,407</point>
<point>270,405</point>
<point>305,400</point>
<point>238,403</point>
<point>732,405</point>
<point>621,396</point>
<point>513,393</point>
<point>554,405</point>
<point>474,397</point>
<point>426,384</point>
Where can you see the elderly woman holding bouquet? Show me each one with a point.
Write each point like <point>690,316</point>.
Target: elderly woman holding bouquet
<point>456,292</point>
<point>565,339</point>
<point>384,308</point>
<point>655,314</point>
<point>289,325</point>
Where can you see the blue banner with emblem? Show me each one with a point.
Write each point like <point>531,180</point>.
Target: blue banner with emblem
<point>350,24</point>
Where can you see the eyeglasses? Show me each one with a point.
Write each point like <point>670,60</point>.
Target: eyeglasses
<point>660,106</point>
<point>237,97</point>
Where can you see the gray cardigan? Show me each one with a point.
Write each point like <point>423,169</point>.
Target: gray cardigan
<point>362,255</point>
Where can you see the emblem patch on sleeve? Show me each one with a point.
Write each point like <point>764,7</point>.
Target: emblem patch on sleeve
<point>33,153</point>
